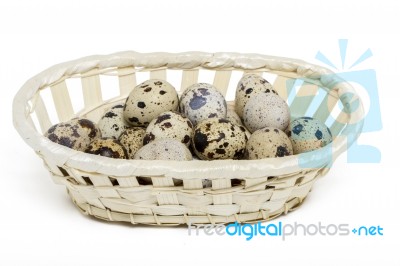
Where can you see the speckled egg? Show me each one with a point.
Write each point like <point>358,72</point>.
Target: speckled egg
<point>266,110</point>
<point>268,142</point>
<point>107,147</point>
<point>169,125</point>
<point>132,140</point>
<point>201,101</point>
<point>112,123</point>
<point>76,134</point>
<point>308,134</point>
<point>164,149</point>
<point>148,100</point>
<point>232,116</point>
<point>248,86</point>
<point>218,138</point>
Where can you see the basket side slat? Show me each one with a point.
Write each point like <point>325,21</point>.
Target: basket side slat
<point>78,176</point>
<point>247,72</point>
<point>303,99</point>
<point>158,74</point>
<point>91,195</point>
<point>189,77</point>
<point>62,101</point>
<point>91,89</point>
<point>339,123</point>
<point>127,80</point>
<point>284,86</point>
<point>222,199</point>
<point>42,114</point>
<point>165,198</point>
<point>221,80</point>
<point>162,181</point>
<point>128,181</point>
<point>99,180</point>
<point>251,202</point>
<point>192,184</point>
<point>325,108</point>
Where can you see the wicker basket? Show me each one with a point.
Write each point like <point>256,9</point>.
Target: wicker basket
<point>243,191</point>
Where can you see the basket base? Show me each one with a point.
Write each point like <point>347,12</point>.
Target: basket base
<point>176,220</point>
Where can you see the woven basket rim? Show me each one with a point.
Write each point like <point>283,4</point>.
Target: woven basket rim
<point>186,169</point>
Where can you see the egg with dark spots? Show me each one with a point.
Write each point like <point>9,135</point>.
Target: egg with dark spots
<point>169,125</point>
<point>201,101</point>
<point>217,138</point>
<point>308,134</point>
<point>132,140</point>
<point>164,149</point>
<point>268,142</point>
<point>107,147</point>
<point>233,117</point>
<point>112,123</point>
<point>76,134</point>
<point>266,110</point>
<point>149,99</point>
<point>248,86</point>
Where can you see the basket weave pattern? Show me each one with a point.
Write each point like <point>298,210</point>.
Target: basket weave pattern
<point>243,191</point>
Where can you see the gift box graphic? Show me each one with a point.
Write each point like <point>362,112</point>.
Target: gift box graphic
<point>366,80</point>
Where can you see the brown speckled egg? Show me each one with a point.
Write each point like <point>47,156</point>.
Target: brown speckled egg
<point>268,142</point>
<point>112,123</point>
<point>169,125</point>
<point>308,134</point>
<point>232,116</point>
<point>132,140</point>
<point>107,147</point>
<point>266,110</point>
<point>76,134</point>
<point>164,149</point>
<point>201,101</point>
<point>148,100</point>
<point>248,86</point>
<point>218,138</point>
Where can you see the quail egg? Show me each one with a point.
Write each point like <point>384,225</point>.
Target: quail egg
<point>132,140</point>
<point>218,138</point>
<point>308,134</point>
<point>169,125</point>
<point>201,101</point>
<point>107,147</point>
<point>76,134</point>
<point>148,100</point>
<point>268,142</point>
<point>266,110</point>
<point>248,86</point>
<point>164,149</point>
<point>112,123</point>
<point>232,116</point>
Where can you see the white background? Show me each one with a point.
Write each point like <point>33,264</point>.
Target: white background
<point>39,225</point>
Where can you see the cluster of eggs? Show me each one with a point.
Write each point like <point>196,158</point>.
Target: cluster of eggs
<point>156,124</point>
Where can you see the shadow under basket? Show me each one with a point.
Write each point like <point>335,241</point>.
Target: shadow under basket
<point>172,192</point>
